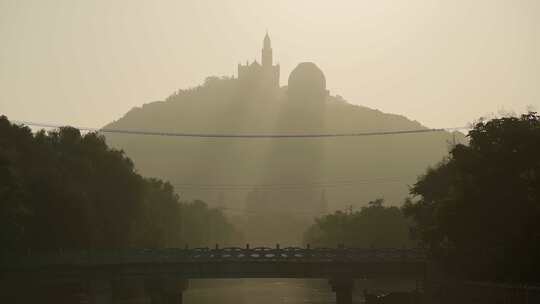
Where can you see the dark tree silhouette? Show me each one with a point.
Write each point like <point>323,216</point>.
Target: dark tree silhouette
<point>375,226</point>
<point>64,190</point>
<point>478,211</point>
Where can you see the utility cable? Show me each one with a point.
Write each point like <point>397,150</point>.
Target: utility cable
<point>243,135</point>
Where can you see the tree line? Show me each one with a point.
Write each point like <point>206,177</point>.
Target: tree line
<point>477,212</point>
<point>66,190</point>
<point>373,226</point>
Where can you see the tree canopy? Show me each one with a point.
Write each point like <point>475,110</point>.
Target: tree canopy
<point>478,211</point>
<point>63,189</point>
<point>375,225</point>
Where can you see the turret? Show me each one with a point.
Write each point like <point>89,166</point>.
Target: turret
<point>266,73</point>
<point>267,52</point>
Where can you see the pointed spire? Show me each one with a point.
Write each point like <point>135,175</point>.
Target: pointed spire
<point>267,42</point>
<point>266,57</point>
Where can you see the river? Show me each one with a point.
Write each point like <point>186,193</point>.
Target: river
<point>272,291</point>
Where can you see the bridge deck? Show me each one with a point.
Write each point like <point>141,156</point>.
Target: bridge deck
<point>233,262</point>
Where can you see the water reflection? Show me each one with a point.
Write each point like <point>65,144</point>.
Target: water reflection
<point>261,291</point>
<point>290,291</point>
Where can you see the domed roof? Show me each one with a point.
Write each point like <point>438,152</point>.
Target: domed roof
<point>307,76</point>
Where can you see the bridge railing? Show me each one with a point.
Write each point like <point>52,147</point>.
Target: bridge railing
<point>206,254</point>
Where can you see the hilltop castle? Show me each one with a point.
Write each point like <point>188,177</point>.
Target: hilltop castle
<point>266,74</point>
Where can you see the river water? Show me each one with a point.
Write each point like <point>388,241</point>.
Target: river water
<point>272,291</point>
<point>260,291</point>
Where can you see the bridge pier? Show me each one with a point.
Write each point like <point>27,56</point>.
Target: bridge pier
<point>343,287</point>
<point>100,291</point>
<point>166,290</point>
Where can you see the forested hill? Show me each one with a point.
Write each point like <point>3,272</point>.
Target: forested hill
<point>223,171</point>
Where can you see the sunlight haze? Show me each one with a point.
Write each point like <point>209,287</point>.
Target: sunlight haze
<point>278,151</point>
<point>442,63</point>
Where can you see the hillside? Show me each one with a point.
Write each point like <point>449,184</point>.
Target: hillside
<point>263,177</point>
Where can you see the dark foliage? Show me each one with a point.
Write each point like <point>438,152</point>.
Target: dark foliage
<point>64,190</point>
<point>479,210</point>
<point>374,226</point>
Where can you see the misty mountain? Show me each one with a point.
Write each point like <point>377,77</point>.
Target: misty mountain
<point>263,179</point>
<point>306,177</point>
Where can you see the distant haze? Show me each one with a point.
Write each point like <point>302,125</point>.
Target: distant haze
<point>443,63</point>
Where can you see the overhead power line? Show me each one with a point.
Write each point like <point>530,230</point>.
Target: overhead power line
<point>263,211</point>
<point>292,186</point>
<point>243,135</point>
<point>348,181</point>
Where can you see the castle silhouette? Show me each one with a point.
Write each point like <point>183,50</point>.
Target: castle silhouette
<point>306,83</point>
<point>266,74</point>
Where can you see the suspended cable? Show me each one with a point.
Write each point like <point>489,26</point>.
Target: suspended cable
<point>293,186</point>
<point>242,135</point>
<point>264,211</point>
<point>297,184</point>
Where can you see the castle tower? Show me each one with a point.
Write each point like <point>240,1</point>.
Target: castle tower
<point>266,57</point>
<point>265,76</point>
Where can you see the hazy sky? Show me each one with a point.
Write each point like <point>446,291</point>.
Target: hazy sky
<point>443,63</point>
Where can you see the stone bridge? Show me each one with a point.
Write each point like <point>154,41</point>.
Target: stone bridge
<point>163,274</point>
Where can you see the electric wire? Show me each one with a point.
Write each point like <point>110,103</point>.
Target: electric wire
<point>242,135</point>
<point>292,186</point>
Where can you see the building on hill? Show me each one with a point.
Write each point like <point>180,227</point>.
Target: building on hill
<point>307,84</point>
<point>265,74</point>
